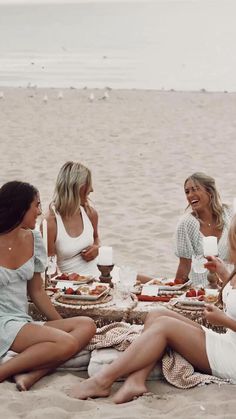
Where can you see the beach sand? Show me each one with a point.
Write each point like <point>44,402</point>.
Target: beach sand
<point>140,146</point>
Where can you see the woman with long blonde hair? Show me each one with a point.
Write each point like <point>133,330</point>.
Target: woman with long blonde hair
<point>73,222</point>
<point>208,217</point>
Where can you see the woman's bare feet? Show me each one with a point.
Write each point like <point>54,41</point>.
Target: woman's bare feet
<point>26,380</point>
<point>89,388</point>
<point>129,391</point>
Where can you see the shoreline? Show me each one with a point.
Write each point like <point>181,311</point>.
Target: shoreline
<point>109,88</point>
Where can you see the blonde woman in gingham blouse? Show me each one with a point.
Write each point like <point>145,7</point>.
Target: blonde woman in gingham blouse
<point>208,218</point>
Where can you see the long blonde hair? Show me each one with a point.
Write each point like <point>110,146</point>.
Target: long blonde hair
<point>71,178</point>
<point>208,183</point>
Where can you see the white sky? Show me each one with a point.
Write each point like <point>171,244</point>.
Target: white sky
<point>75,1</point>
<point>59,1</point>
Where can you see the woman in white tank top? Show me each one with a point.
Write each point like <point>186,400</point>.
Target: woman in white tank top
<point>72,222</point>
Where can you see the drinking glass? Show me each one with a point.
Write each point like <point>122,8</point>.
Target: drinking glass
<point>52,265</point>
<point>198,262</point>
<point>127,276</point>
<point>125,284</point>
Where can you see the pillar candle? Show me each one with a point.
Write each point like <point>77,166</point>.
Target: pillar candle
<point>45,234</point>
<point>105,255</point>
<point>210,247</point>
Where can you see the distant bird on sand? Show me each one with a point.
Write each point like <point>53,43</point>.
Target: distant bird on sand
<point>2,95</point>
<point>105,96</point>
<point>45,99</point>
<point>91,97</point>
<point>60,95</point>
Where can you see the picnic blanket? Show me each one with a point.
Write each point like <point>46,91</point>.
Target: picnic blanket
<point>176,369</point>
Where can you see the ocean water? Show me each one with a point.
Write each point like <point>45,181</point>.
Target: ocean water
<point>164,44</point>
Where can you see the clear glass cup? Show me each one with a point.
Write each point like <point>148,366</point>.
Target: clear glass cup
<point>198,262</point>
<point>127,276</point>
<point>52,265</point>
<point>124,285</point>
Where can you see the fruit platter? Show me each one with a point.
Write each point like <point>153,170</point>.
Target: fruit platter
<point>170,284</point>
<point>73,278</point>
<point>85,292</point>
<point>197,297</point>
<point>162,289</point>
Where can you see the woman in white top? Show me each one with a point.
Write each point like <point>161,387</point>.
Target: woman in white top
<point>208,351</point>
<point>208,217</point>
<point>72,222</point>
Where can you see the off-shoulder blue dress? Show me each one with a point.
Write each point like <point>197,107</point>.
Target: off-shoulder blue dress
<point>13,294</point>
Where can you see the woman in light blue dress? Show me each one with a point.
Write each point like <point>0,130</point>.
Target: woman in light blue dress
<point>39,347</point>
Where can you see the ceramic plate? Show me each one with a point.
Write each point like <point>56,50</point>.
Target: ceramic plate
<point>85,280</point>
<point>87,297</point>
<point>163,284</point>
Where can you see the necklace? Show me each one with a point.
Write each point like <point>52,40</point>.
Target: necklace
<point>9,246</point>
<point>205,222</point>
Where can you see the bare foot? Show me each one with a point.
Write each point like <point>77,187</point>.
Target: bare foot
<point>26,380</point>
<point>21,381</point>
<point>89,388</point>
<point>128,392</point>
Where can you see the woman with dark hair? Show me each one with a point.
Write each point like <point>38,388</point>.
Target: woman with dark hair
<point>208,217</point>
<point>39,347</point>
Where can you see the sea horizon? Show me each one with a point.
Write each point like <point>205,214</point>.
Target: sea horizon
<point>162,45</point>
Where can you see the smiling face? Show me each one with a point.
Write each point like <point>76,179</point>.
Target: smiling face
<point>32,214</point>
<point>197,196</point>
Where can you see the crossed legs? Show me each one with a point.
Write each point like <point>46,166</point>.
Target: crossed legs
<point>162,329</point>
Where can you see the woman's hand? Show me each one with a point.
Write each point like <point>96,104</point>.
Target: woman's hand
<point>214,315</point>
<point>183,269</point>
<point>216,265</point>
<point>90,253</point>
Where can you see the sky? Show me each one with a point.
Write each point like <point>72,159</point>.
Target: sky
<point>71,1</point>
<point>58,1</point>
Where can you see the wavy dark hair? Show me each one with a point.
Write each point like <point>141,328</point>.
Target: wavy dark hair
<point>15,200</point>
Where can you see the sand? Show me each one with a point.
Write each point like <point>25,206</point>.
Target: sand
<point>140,146</point>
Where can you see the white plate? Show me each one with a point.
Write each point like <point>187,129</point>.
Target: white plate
<point>86,280</point>
<point>189,301</point>
<point>87,297</point>
<point>169,287</point>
